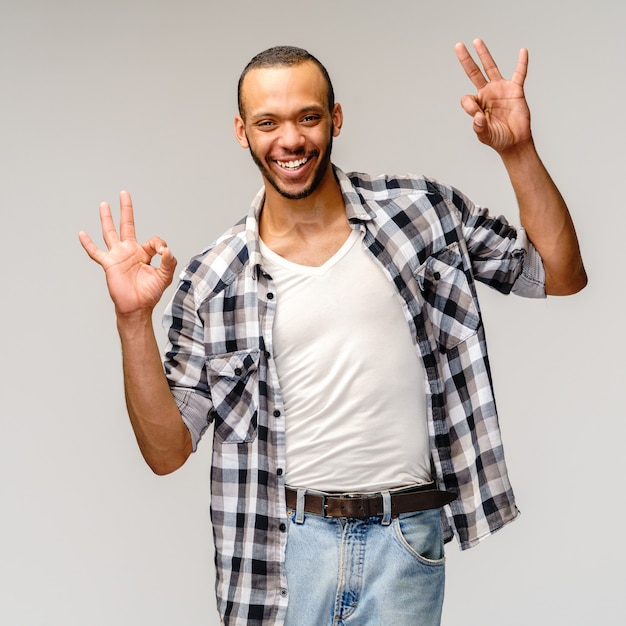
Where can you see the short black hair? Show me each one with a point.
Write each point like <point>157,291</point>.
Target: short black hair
<point>284,56</point>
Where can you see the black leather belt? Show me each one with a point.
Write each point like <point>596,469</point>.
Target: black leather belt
<point>364,505</point>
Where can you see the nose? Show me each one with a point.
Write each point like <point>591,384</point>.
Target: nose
<point>292,138</point>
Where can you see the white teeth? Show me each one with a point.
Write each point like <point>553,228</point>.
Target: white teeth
<point>292,165</point>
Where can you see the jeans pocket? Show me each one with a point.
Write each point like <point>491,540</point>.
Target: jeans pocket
<point>420,535</point>
<point>233,379</point>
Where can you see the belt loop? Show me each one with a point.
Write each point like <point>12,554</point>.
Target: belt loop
<point>386,508</point>
<point>301,492</point>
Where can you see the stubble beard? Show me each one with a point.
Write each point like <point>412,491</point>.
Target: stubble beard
<point>307,191</point>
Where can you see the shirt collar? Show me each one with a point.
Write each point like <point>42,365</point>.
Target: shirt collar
<point>252,231</point>
<point>356,206</point>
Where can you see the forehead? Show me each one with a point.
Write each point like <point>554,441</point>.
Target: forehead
<point>279,88</point>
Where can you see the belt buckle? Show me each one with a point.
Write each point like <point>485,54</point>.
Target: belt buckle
<point>338,496</point>
<point>366,503</point>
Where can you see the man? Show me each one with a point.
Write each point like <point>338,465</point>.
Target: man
<point>333,338</point>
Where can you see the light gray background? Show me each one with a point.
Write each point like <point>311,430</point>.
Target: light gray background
<point>140,95</point>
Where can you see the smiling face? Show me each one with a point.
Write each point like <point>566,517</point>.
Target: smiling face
<point>288,128</point>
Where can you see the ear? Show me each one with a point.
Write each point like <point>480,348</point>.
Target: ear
<point>240,132</point>
<point>337,119</point>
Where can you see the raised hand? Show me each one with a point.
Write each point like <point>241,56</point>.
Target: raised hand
<point>499,108</point>
<point>135,286</point>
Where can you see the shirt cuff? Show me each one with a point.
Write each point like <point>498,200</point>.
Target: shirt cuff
<point>194,409</point>
<point>531,283</point>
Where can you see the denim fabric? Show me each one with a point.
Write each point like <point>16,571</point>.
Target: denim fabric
<point>349,572</point>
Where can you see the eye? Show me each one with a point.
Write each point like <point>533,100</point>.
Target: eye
<point>265,124</point>
<point>311,119</point>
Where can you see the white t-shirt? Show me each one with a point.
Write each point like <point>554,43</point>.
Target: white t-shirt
<point>352,381</point>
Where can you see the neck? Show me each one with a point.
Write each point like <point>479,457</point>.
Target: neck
<point>318,211</point>
<point>307,231</point>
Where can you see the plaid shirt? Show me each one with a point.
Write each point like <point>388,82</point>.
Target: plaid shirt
<point>432,243</point>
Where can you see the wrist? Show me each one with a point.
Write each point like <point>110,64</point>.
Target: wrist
<point>519,152</point>
<point>131,323</point>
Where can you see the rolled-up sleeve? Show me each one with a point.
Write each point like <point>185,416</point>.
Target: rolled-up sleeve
<point>194,409</point>
<point>501,254</point>
<point>185,360</point>
<point>531,282</point>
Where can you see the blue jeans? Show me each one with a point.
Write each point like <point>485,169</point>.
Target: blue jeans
<point>351,572</point>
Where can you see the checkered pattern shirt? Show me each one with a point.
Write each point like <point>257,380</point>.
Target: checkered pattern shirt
<point>433,243</point>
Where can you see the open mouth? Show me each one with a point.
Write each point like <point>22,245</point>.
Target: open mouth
<point>292,165</point>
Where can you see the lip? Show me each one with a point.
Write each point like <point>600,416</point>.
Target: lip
<point>296,172</point>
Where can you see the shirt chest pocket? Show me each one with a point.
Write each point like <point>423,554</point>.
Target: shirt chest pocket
<point>233,379</point>
<point>448,301</point>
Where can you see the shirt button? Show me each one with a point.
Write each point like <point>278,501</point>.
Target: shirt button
<point>283,592</point>
<point>282,528</point>
<point>238,371</point>
<point>436,275</point>
<point>276,413</point>
<point>279,471</point>
<point>270,296</point>
<point>267,354</point>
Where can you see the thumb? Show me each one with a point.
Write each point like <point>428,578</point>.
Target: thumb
<point>481,127</point>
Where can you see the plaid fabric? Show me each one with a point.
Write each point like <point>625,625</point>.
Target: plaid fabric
<point>432,243</point>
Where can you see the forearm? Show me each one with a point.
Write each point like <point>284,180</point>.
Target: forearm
<point>546,219</point>
<point>162,436</point>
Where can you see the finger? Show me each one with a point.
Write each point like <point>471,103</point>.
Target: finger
<point>491,69</point>
<point>470,105</point>
<point>481,128</point>
<point>90,247</point>
<point>472,70</point>
<point>166,268</point>
<point>109,232</point>
<point>168,264</point>
<point>521,69</point>
<point>127,220</point>
<point>153,246</point>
